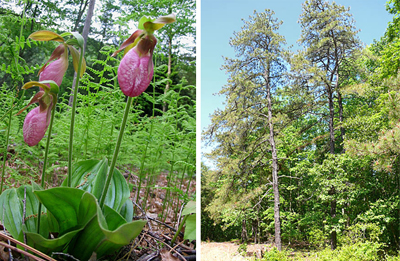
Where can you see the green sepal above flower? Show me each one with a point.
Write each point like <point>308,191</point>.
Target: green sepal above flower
<point>143,37</point>
<point>45,35</point>
<point>152,24</point>
<point>46,98</point>
<point>76,40</point>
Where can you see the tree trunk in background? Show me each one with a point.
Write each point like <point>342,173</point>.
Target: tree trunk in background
<point>332,151</point>
<point>244,230</point>
<point>80,13</point>
<point>333,215</point>
<point>85,33</point>
<point>340,102</point>
<point>275,183</point>
<point>169,70</point>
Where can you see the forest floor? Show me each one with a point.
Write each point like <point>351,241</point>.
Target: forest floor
<point>153,242</point>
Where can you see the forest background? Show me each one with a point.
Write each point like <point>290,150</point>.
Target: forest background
<point>305,149</point>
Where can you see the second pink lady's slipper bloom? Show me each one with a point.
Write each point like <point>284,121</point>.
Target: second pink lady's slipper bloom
<point>38,119</point>
<point>136,68</point>
<point>55,71</point>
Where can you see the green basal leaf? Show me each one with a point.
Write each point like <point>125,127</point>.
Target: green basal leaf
<point>189,208</point>
<point>127,210</point>
<point>50,245</point>
<point>11,211</point>
<point>190,228</point>
<point>64,204</point>
<point>90,176</point>
<point>144,20</point>
<point>71,209</point>
<point>105,234</point>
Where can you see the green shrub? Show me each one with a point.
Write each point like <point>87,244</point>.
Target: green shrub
<point>275,255</point>
<point>361,251</point>
<point>242,250</point>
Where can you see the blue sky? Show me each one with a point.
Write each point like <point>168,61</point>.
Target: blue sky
<point>220,18</point>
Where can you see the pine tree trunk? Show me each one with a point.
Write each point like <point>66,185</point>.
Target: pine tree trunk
<point>340,102</point>
<point>275,187</point>
<point>332,151</point>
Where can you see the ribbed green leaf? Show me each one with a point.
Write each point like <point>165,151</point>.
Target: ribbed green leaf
<point>50,245</point>
<point>11,212</point>
<point>72,209</point>
<point>90,176</point>
<point>127,210</point>
<point>190,228</point>
<point>105,234</point>
<point>64,204</point>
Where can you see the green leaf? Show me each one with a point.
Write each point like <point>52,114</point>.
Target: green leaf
<point>11,211</point>
<point>22,42</point>
<point>189,208</point>
<point>28,42</point>
<point>190,228</point>
<point>105,234</point>
<point>64,204</point>
<point>127,210</point>
<point>71,208</point>
<point>90,176</point>
<point>49,245</point>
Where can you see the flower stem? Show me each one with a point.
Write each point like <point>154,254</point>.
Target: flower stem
<point>179,230</point>
<point>116,151</point>
<point>71,128</point>
<point>53,112</point>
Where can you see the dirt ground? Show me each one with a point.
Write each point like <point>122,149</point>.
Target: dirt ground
<point>228,251</point>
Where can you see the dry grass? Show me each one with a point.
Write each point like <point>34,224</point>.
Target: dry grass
<point>227,251</point>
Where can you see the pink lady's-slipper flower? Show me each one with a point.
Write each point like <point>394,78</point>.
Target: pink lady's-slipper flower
<point>136,68</point>
<point>38,119</point>
<point>35,126</point>
<point>55,71</point>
